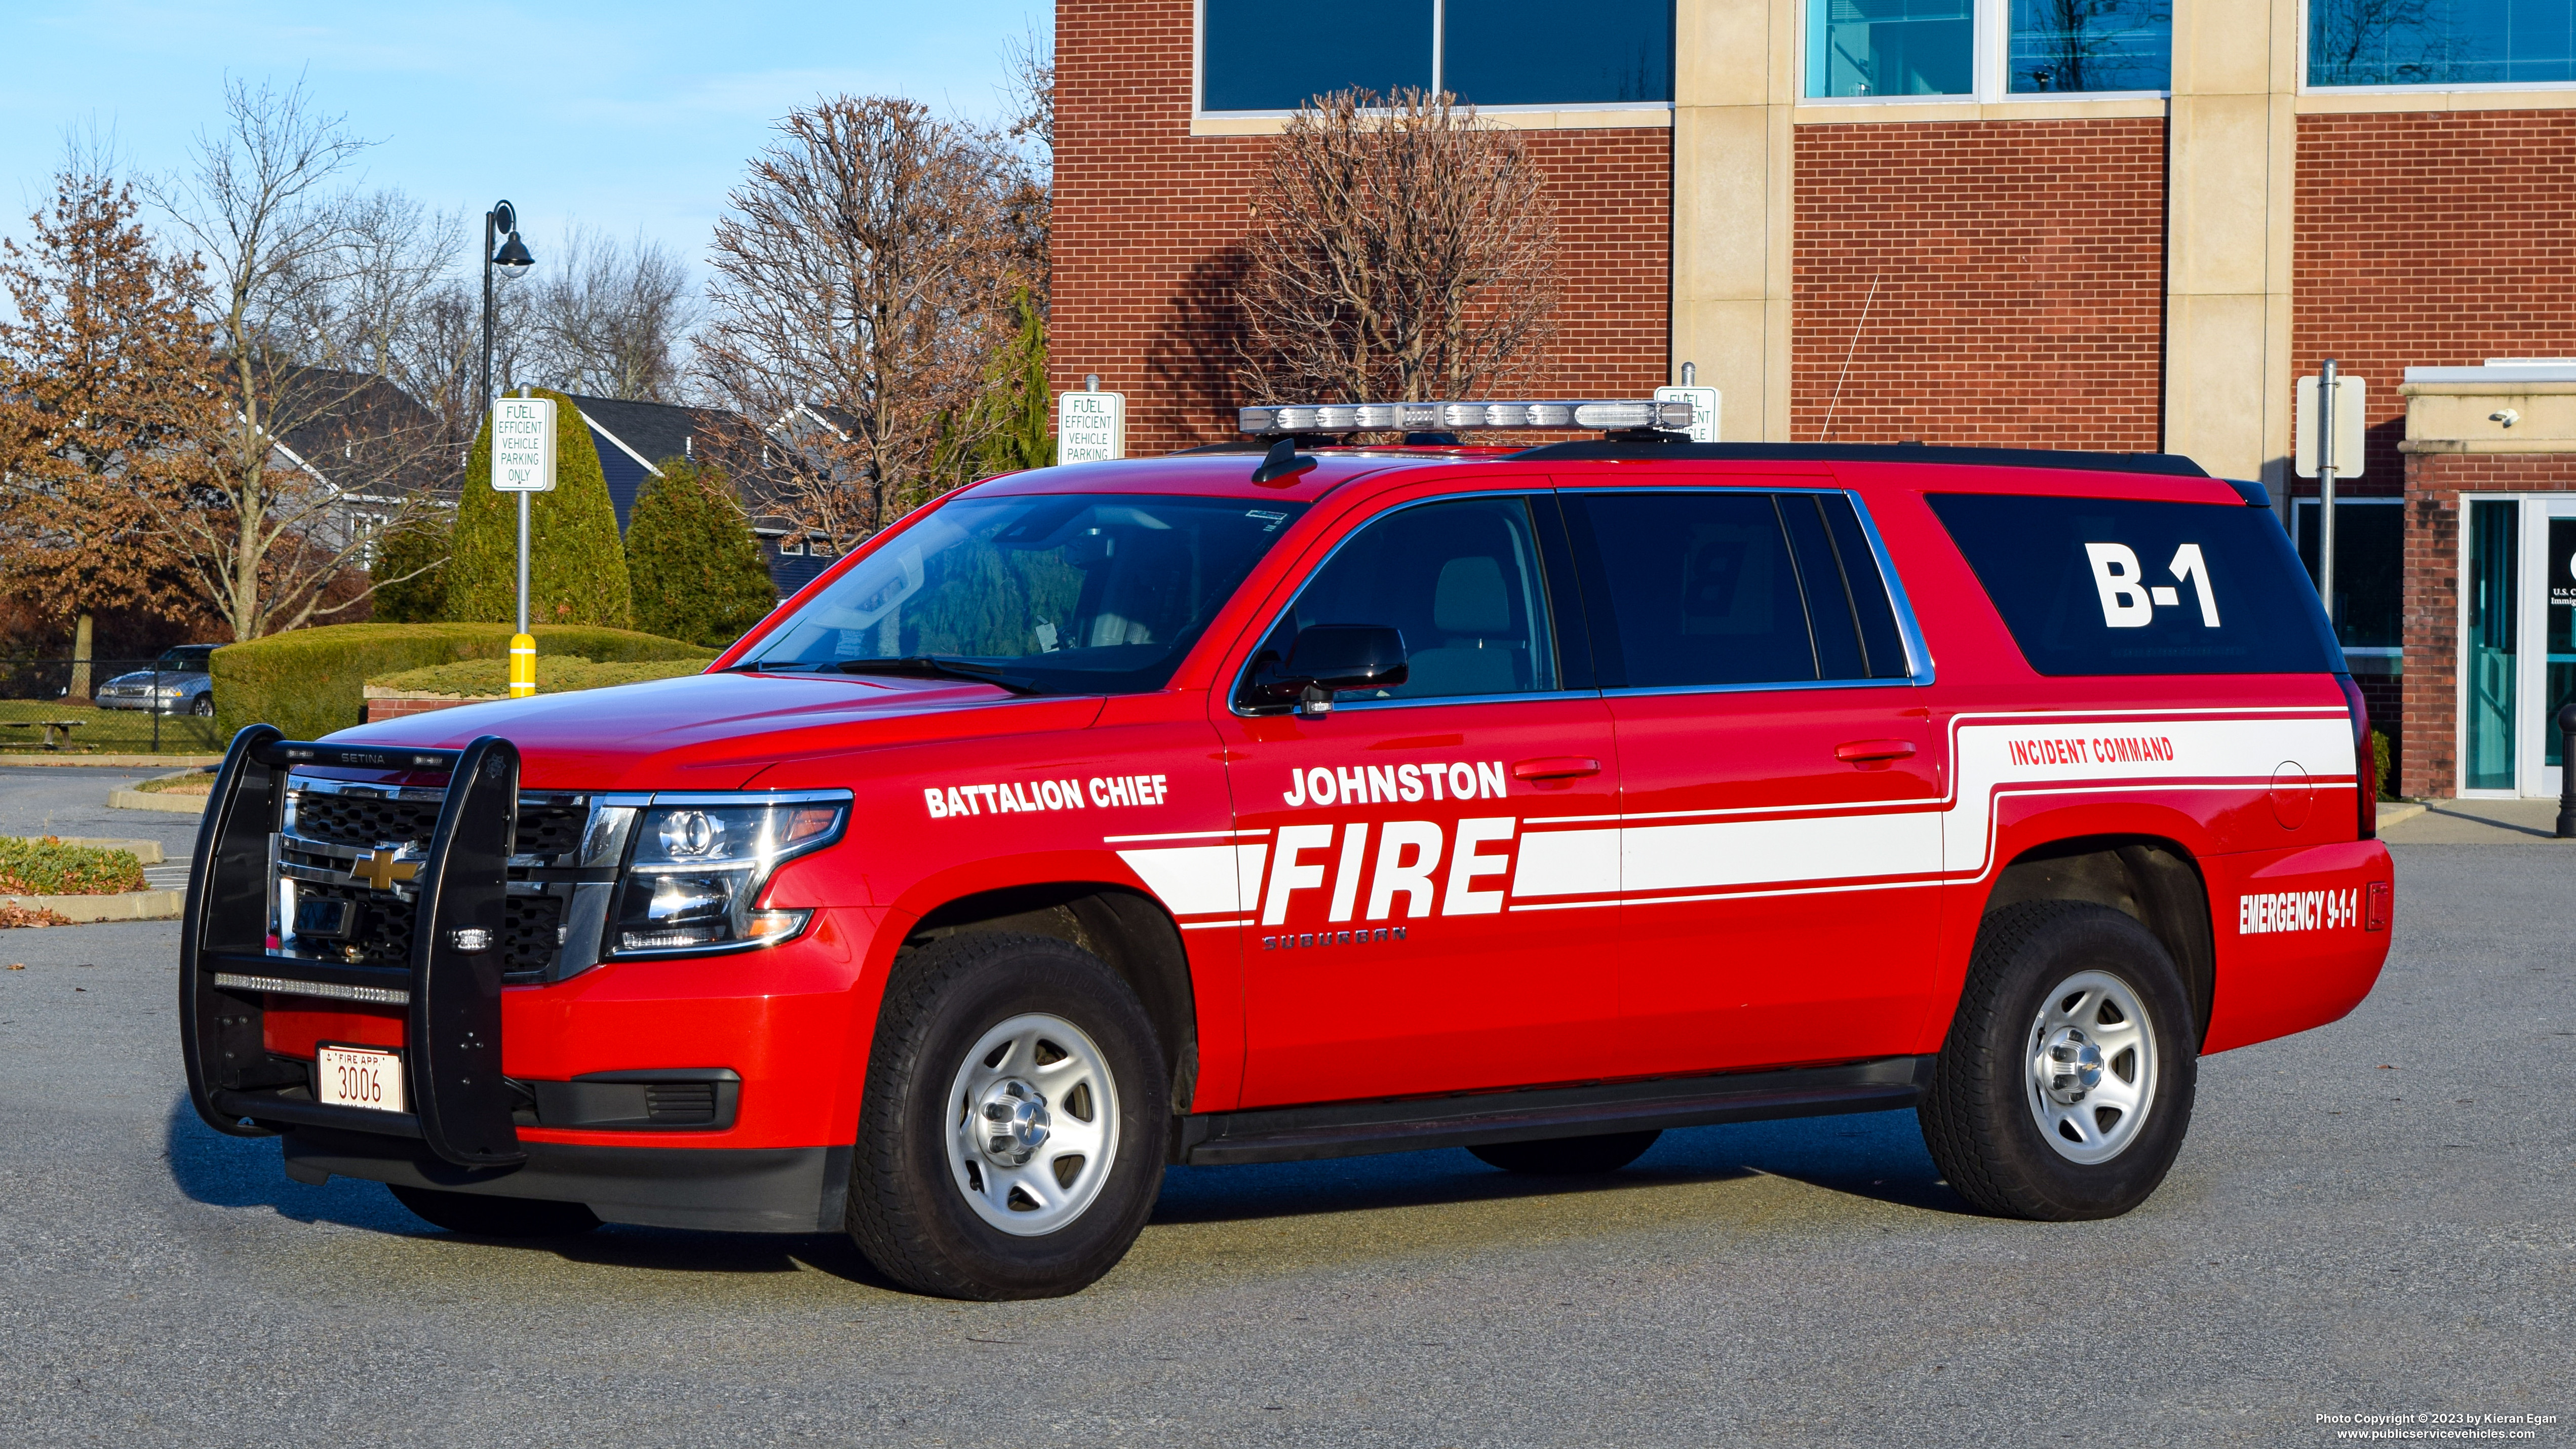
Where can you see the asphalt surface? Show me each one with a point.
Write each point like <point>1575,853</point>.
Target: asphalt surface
<point>2375,1217</point>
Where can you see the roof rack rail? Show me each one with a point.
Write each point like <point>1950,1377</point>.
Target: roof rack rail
<point>1677,449</point>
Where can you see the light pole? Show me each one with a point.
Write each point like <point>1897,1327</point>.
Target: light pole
<point>514,259</point>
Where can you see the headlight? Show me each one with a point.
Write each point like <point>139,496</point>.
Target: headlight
<point>700,862</point>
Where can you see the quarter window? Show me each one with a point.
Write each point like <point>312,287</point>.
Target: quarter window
<point>1258,56</point>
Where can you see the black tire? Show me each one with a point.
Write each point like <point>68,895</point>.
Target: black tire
<point>909,1210</point>
<point>1568,1156</point>
<point>1982,1116</point>
<point>478,1215</point>
<point>204,708</point>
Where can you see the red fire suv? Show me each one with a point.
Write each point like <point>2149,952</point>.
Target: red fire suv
<point>1256,804</point>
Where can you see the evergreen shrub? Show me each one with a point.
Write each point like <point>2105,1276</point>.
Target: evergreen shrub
<point>556,674</point>
<point>693,560</point>
<point>576,567</point>
<point>409,549</point>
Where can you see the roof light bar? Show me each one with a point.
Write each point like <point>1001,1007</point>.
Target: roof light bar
<point>1455,416</point>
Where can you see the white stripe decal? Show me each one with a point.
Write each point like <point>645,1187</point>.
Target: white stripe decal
<point>1769,852</point>
<point>1567,863</point>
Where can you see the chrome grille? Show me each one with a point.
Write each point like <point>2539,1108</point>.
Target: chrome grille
<point>365,821</point>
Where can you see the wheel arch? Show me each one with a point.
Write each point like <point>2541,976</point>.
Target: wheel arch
<point>1121,925</point>
<point>2151,879</point>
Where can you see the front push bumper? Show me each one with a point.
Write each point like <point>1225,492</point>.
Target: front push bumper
<point>461,1133</point>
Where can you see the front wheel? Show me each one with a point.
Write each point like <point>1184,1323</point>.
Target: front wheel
<point>1012,1139</point>
<point>2065,1086</point>
<point>204,708</point>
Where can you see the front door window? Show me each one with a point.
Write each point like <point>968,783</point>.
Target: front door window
<point>2494,529</point>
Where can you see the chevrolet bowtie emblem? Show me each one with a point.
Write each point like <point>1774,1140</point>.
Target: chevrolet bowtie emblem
<point>381,870</point>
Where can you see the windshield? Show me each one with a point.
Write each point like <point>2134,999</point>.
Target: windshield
<point>183,660</point>
<point>1052,593</point>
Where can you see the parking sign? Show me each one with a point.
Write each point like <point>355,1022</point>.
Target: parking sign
<point>523,444</point>
<point>1090,427</point>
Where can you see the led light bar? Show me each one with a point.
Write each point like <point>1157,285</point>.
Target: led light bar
<point>1450,417</point>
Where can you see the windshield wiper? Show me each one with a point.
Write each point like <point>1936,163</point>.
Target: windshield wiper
<point>941,667</point>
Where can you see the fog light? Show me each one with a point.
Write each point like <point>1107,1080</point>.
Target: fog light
<point>470,939</point>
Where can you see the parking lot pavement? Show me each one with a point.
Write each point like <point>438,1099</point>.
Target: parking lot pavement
<point>72,800</point>
<point>2374,1217</point>
<point>2480,822</point>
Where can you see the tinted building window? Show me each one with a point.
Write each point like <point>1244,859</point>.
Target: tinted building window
<point>2440,42</point>
<point>2119,586</point>
<point>1269,57</point>
<point>2370,568</point>
<point>1891,48</point>
<point>1603,52</point>
<point>2091,45</point>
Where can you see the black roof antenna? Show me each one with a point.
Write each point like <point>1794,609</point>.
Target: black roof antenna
<point>1282,461</point>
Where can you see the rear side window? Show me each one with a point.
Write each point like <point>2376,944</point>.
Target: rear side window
<point>2128,586</point>
<point>1730,587</point>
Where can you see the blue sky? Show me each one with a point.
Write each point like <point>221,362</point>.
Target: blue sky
<point>629,116</point>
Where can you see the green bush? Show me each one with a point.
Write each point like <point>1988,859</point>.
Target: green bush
<point>556,674</point>
<point>407,550</point>
<point>2380,759</point>
<point>576,567</point>
<point>696,567</point>
<point>47,867</point>
<point>309,682</point>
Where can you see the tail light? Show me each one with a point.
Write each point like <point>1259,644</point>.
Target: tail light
<point>2365,763</point>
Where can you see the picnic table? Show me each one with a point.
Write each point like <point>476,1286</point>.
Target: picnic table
<point>58,732</point>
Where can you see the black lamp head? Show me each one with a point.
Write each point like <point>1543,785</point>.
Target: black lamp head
<point>513,258</point>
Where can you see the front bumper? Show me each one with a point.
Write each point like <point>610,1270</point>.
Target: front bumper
<point>715,1189</point>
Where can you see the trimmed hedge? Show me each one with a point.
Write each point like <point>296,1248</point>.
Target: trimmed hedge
<point>576,566</point>
<point>405,594</point>
<point>310,682</point>
<point>556,674</point>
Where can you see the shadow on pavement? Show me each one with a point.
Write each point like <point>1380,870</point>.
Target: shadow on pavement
<point>1877,1155</point>
<point>245,1172</point>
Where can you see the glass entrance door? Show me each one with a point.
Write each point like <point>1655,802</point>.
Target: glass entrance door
<point>2518,643</point>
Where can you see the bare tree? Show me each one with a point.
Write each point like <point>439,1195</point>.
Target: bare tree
<point>103,391</point>
<point>864,281</point>
<point>307,458</point>
<point>609,320</point>
<point>1030,93</point>
<point>1400,251</point>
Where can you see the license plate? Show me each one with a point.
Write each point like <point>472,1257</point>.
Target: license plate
<point>359,1077</point>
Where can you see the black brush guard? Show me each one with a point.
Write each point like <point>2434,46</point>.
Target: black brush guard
<point>460,1103</point>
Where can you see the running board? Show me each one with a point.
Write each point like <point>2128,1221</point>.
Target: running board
<point>1353,1129</point>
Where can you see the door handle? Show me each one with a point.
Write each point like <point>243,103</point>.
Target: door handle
<point>1862,751</point>
<point>1555,767</point>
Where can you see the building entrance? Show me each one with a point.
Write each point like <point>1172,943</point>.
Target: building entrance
<point>2518,642</point>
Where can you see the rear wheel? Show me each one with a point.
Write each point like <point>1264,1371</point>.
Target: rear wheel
<point>2066,1084</point>
<point>1012,1140</point>
<point>1568,1156</point>
<point>480,1216</point>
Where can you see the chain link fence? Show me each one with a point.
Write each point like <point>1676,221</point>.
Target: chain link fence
<point>135,706</point>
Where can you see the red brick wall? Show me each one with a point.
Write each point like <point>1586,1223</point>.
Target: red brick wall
<point>2430,761</point>
<point>2019,269</point>
<point>1147,217</point>
<point>2431,239</point>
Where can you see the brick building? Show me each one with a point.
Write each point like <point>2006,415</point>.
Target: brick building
<point>1946,220</point>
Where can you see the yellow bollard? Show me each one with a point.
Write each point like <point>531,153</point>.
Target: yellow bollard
<point>523,665</point>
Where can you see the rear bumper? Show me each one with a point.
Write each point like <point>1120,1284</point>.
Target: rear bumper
<point>716,1189</point>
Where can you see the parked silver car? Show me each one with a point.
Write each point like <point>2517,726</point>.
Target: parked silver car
<point>177,683</point>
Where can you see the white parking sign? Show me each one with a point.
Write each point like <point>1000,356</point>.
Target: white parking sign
<point>1090,427</point>
<point>523,444</point>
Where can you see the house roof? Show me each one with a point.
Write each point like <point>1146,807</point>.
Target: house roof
<point>651,431</point>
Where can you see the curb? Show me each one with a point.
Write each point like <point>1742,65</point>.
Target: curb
<point>146,852</point>
<point>130,906</point>
<point>173,804</point>
<point>2392,812</point>
<point>119,762</point>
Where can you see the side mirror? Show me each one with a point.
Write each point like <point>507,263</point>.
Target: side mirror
<point>1329,657</point>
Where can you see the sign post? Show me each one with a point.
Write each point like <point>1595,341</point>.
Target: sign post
<point>2331,413</point>
<point>523,462</point>
<point>1091,425</point>
<point>1703,403</point>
